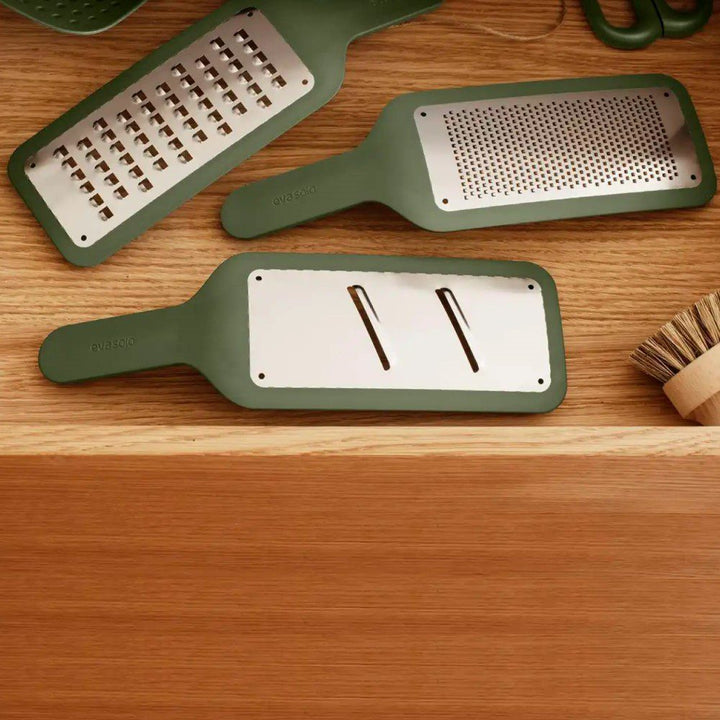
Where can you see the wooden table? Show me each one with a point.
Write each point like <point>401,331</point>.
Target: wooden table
<point>164,554</point>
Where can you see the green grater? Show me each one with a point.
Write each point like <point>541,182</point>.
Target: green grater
<point>332,332</point>
<point>79,17</point>
<point>187,114</point>
<point>496,155</point>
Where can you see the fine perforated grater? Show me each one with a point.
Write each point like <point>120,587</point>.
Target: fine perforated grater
<point>187,114</point>
<point>79,17</point>
<point>496,155</point>
<point>331,332</point>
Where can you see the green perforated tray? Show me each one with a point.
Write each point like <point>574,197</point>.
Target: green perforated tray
<point>79,17</point>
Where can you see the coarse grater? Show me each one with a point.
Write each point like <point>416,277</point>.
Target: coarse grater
<point>79,17</point>
<point>187,114</point>
<point>345,332</point>
<point>484,156</point>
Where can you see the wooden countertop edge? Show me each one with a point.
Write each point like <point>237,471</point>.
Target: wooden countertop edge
<point>257,441</point>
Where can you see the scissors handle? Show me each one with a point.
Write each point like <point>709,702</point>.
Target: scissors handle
<point>682,23</point>
<point>646,30</point>
<point>654,19</point>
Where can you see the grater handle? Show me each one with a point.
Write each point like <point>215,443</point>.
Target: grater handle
<point>355,18</point>
<point>114,346</point>
<point>299,196</point>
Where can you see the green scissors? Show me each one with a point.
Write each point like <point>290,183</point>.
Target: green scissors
<point>655,19</point>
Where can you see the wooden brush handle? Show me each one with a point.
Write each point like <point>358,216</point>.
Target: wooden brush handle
<point>709,413</point>
<point>695,391</point>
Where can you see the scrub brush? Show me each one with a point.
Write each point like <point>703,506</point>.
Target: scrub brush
<point>684,355</point>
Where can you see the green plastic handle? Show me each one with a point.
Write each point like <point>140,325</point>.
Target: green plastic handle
<point>644,32</point>
<point>355,18</point>
<point>682,23</point>
<point>301,195</point>
<point>115,346</point>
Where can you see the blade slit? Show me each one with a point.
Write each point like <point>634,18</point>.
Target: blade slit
<point>360,299</point>
<point>455,315</point>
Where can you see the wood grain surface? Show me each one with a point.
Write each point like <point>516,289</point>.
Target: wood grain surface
<point>165,555</point>
<point>338,589</point>
<point>619,277</point>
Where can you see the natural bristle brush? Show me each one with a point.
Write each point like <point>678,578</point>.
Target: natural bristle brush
<point>495,155</point>
<point>684,355</point>
<point>187,114</point>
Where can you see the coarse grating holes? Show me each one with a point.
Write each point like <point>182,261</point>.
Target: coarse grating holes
<point>179,117</point>
<point>525,147</point>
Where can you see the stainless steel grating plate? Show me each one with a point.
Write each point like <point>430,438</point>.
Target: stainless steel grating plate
<point>146,140</point>
<point>385,330</point>
<point>509,151</point>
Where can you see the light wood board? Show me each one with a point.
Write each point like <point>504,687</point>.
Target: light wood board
<point>212,588</point>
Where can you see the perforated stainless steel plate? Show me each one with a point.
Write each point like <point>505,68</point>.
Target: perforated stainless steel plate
<point>149,138</point>
<point>515,150</point>
<point>339,329</point>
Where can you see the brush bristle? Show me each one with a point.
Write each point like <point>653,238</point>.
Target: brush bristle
<point>689,335</point>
